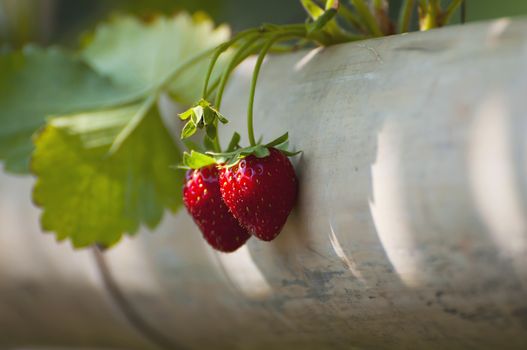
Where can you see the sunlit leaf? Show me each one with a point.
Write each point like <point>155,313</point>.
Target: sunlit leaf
<point>143,54</point>
<point>91,196</point>
<point>196,160</point>
<point>35,83</point>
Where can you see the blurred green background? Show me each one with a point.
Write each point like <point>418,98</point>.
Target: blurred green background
<point>61,21</point>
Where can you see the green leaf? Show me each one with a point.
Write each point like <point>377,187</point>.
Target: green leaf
<point>211,131</point>
<point>197,116</point>
<point>278,140</point>
<point>289,153</point>
<point>322,20</point>
<point>196,160</point>
<point>235,140</point>
<point>282,146</point>
<point>144,54</point>
<point>312,9</point>
<point>221,118</point>
<point>261,152</point>
<point>91,196</point>
<point>188,130</point>
<point>187,114</point>
<point>208,116</point>
<point>38,82</point>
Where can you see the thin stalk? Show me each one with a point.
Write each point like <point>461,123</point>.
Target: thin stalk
<point>405,16</point>
<point>243,52</point>
<point>450,10</point>
<point>463,12</point>
<point>430,15</point>
<point>188,63</point>
<point>218,51</point>
<point>256,72</point>
<point>213,86</point>
<point>285,48</point>
<point>353,19</point>
<point>368,17</point>
<point>331,4</point>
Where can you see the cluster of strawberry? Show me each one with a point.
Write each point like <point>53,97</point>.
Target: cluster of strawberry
<point>252,197</point>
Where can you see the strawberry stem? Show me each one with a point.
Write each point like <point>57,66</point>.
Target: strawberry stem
<point>406,15</point>
<point>219,50</point>
<point>256,72</point>
<point>450,10</point>
<point>367,17</point>
<point>244,51</point>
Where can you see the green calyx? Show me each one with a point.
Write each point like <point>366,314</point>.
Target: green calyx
<point>329,23</point>
<point>201,116</point>
<point>235,153</point>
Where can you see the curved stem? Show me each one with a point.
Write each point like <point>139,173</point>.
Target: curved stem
<point>256,72</point>
<point>355,21</point>
<point>218,51</point>
<point>240,55</point>
<point>430,15</point>
<point>367,16</point>
<point>216,141</point>
<point>454,5</point>
<point>406,15</point>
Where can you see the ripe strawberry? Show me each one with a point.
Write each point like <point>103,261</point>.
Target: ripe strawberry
<point>202,197</point>
<point>260,192</point>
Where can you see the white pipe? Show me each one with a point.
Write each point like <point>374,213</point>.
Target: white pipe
<point>410,231</point>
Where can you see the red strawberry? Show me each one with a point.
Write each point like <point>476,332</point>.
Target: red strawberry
<point>260,192</point>
<point>202,197</point>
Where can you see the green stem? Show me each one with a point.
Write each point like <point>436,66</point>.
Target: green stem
<point>430,15</point>
<point>243,52</point>
<point>367,16</point>
<point>218,51</point>
<point>216,141</point>
<point>256,72</point>
<point>450,10</point>
<point>405,15</point>
<point>332,4</point>
<point>353,19</point>
<point>283,28</point>
<point>213,86</point>
<point>185,65</point>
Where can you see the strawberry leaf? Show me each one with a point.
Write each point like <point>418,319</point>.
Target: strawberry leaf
<point>261,152</point>
<point>211,131</point>
<point>314,11</point>
<point>188,130</point>
<point>187,114</point>
<point>196,160</point>
<point>146,55</point>
<point>202,115</point>
<point>233,144</point>
<point>92,196</point>
<point>197,116</point>
<point>278,140</point>
<point>36,83</point>
<point>221,118</point>
<point>322,20</point>
<point>289,153</point>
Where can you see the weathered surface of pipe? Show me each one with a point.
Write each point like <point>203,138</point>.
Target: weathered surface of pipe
<point>410,231</point>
